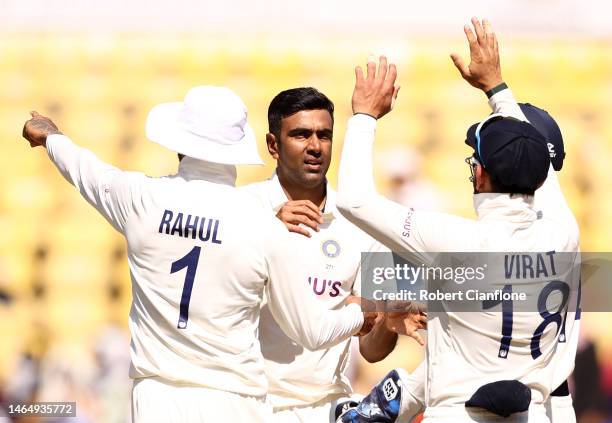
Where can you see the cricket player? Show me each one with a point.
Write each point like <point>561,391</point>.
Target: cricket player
<point>201,254</point>
<point>499,367</point>
<point>304,384</point>
<point>410,397</point>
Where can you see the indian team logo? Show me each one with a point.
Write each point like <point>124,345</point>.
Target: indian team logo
<point>331,248</point>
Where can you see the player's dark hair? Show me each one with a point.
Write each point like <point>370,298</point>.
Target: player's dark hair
<point>289,102</point>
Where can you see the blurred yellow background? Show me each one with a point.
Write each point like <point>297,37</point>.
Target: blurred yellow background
<point>65,268</point>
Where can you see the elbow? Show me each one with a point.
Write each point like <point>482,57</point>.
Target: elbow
<point>313,344</point>
<point>310,339</point>
<point>321,339</point>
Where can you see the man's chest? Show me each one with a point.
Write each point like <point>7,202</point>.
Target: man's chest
<point>333,257</point>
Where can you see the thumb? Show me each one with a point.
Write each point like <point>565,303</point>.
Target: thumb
<point>394,98</point>
<point>34,113</point>
<point>396,91</point>
<point>460,65</point>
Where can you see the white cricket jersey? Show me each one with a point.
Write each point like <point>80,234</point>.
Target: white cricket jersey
<point>200,259</point>
<point>464,350</point>
<point>296,375</point>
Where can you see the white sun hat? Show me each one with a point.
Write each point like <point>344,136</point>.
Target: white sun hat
<point>210,124</point>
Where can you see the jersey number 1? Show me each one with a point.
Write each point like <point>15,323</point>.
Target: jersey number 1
<point>190,261</point>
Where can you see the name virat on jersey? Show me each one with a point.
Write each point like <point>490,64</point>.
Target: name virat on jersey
<point>189,226</point>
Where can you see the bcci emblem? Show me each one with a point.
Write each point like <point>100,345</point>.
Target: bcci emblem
<point>331,248</point>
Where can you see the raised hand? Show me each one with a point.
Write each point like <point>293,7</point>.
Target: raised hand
<point>484,70</point>
<point>375,92</point>
<point>292,213</point>
<point>38,128</point>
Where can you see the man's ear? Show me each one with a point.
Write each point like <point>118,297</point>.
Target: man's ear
<point>482,180</point>
<point>273,145</point>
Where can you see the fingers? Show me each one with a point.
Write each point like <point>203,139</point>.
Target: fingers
<point>383,68</point>
<point>488,31</point>
<point>315,218</point>
<point>34,113</point>
<point>381,75</point>
<point>474,47</point>
<point>302,212</point>
<point>310,206</point>
<point>303,207</point>
<point>417,337</point>
<point>298,230</point>
<point>371,66</point>
<point>307,221</point>
<point>359,75</point>
<point>297,219</point>
<point>391,75</point>
<point>422,321</point>
<point>495,44</point>
<point>464,70</point>
<point>481,37</point>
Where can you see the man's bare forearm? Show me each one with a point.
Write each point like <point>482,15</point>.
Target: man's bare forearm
<point>378,343</point>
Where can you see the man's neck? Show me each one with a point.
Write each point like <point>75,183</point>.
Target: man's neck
<point>316,194</point>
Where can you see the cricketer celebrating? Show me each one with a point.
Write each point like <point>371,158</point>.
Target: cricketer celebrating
<point>201,254</point>
<point>479,366</point>
<point>304,384</point>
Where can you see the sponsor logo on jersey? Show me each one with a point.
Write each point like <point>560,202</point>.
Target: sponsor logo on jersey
<point>331,248</point>
<point>321,286</point>
<point>407,228</point>
<point>390,389</point>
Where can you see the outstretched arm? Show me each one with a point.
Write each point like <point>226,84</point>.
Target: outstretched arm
<point>403,230</point>
<point>105,187</point>
<point>484,73</point>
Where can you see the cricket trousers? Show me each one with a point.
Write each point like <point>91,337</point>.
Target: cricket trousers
<point>154,400</point>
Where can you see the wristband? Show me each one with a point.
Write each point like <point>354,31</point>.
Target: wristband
<point>496,89</point>
<point>365,114</point>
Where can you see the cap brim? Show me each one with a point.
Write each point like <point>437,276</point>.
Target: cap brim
<point>163,127</point>
<point>470,137</point>
<point>548,127</point>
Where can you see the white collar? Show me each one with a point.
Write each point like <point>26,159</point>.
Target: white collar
<point>191,168</point>
<point>278,197</point>
<point>515,208</point>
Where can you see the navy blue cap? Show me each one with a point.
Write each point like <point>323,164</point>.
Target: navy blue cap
<point>547,126</point>
<point>513,152</point>
<point>504,397</point>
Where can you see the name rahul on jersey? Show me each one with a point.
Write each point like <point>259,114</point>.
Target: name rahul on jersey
<point>190,226</point>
